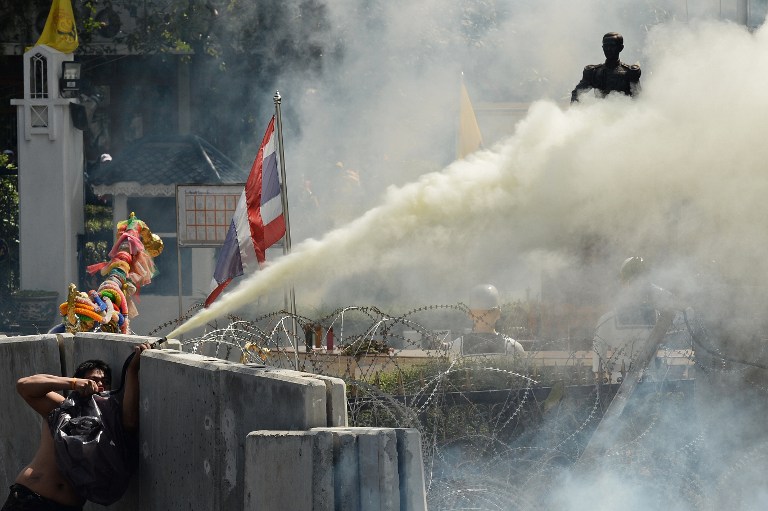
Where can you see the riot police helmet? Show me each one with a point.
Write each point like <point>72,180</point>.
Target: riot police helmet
<point>632,268</point>
<point>484,297</point>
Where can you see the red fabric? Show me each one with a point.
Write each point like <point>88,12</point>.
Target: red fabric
<point>253,197</point>
<point>216,292</point>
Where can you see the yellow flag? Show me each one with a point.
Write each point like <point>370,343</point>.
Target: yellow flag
<point>469,139</point>
<point>60,32</point>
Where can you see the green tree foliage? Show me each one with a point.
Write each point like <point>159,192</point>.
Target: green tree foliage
<point>97,243</point>
<point>9,236</point>
<point>238,50</point>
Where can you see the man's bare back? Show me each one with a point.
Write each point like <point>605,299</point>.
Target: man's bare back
<point>43,477</point>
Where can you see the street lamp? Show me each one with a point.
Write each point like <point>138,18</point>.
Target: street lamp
<point>70,76</point>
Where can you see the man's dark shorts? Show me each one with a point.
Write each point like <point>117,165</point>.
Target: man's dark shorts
<point>24,499</point>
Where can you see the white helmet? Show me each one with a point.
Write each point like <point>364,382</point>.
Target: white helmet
<point>484,297</point>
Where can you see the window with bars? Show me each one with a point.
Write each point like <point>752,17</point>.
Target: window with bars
<point>38,80</point>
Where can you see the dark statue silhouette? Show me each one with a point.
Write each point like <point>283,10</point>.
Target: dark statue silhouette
<point>612,75</point>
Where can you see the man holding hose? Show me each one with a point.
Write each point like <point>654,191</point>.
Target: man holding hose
<point>41,486</point>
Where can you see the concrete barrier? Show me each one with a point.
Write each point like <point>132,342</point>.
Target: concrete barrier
<point>389,464</point>
<point>377,469</point>
<point>218,435</point>
<point>196,412</point>
<point>410,463</point>
<point>346,470</point>
<point>302,481</point>
<point>335,395</point>
<point>19,424</point>
<point>379,478</point>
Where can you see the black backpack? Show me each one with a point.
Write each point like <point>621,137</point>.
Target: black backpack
<point>93,451</point>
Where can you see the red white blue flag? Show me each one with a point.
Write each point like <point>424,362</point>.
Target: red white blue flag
<point>258,221</point>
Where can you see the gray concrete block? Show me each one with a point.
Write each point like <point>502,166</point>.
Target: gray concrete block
<point>66,353</point>
<point>379,476</point>
<point>378,468</point>
<point>196,414</point>
<point>279,471</point>
<point>256,398</point>
<point>410,464</point>
<point>171,344</point>
<point>346,471</point>
<point>180,439</point>
<point>289,470</point>
<point>336,393</point>
<point>19,424</point>
<point>323,493</point>
<point>264,395</point>
<point>336,400</point>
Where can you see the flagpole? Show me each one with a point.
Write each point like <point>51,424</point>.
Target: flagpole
<point>458,126</point>
<point>291,295</point>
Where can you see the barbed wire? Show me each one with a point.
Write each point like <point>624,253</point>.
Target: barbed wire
<point>498,431</point>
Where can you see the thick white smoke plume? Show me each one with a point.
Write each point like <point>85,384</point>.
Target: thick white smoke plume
<point>676,175</point>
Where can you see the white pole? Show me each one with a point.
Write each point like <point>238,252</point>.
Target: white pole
<point>291,295</point>
<point>178,255</point>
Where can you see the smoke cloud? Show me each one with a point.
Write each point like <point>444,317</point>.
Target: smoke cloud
<point>675,175</point>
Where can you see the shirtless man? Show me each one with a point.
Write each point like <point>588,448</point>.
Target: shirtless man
<point>40,486</point>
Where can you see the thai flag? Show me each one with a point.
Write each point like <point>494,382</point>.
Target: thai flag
<point>258,221</point>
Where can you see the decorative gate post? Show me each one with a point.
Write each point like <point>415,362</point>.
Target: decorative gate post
<point>50,160</point>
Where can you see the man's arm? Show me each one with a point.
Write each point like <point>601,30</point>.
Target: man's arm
<point>131,395</point>
<point>586,83</point>
<point>40,390</point>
